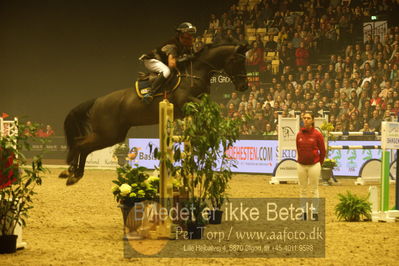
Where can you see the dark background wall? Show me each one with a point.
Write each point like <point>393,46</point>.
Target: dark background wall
<point>55,54</point>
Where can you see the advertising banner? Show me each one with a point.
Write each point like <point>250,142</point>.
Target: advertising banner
<point>102,159</point>
<point>289,126</point>
<point>350,161</point>
<point>260,156</point>
<point>390,135</point>
<point>250,156</point>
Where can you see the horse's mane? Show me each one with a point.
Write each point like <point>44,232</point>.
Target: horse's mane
<point>208,46</point>
<point>221,43</point>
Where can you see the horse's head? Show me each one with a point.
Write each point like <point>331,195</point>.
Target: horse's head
<point>226,58</point>
<point>235,68</point>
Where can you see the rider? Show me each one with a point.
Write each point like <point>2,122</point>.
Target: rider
<point>164,58</point>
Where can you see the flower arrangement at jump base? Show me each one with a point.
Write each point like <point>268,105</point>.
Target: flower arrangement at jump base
<point>137,192</point>
<point>134,185</point>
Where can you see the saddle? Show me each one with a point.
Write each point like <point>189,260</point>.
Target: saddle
<point>144,82</point>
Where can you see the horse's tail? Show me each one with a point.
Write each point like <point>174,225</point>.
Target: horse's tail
<point>76,125</point>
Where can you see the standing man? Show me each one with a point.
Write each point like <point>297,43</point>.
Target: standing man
<point>302,55</point>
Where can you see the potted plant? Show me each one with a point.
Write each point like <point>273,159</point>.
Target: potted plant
<point>327,170</point>
<point>328,164</point>
<point>17,184</point>
<point>207,135</point>
<point>121,151</point>
<point>197,217</point>
<point>217,195</point>
<point>352,208</point>
<point>133,185</point>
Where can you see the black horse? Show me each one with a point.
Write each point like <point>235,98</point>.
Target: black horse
<point>105,121</point>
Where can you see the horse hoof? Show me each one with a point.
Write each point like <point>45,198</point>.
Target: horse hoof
<point>64,174</point>
<point>72,180</point>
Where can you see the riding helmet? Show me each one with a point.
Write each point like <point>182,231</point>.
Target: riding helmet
<point>186,27</point>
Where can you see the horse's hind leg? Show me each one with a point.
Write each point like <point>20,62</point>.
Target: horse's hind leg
<point>79,170</point>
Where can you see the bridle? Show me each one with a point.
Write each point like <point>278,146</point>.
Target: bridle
<point>234,77</point>
<point>223,72</point>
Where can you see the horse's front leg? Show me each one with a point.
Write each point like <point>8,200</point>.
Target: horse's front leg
<point>180,100</point>
<point>78,169</point>
<point>69,172</point>
<point>72,161</point>
<point>79,172</point>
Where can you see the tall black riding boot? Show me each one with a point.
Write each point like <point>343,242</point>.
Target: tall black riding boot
<point>155,87</point>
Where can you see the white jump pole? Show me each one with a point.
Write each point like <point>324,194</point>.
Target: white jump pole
<point>355,133</point>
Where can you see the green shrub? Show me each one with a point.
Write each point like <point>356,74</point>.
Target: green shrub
<point>352,208</point>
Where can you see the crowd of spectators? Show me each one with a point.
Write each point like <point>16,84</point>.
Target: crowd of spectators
<point>40,130</point>
<point>358,82</point>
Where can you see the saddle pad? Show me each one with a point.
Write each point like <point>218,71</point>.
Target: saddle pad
<point>144,86</point>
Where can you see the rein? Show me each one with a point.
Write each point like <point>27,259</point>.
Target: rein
<point>189,76</point>
<point>189,71</point>
<point>216,70</point>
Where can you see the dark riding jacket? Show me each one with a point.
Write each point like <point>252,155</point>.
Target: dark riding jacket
<point>173,47</point>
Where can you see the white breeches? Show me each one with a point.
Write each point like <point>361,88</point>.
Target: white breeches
<point>157,66</point>
<point>308,176</point>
